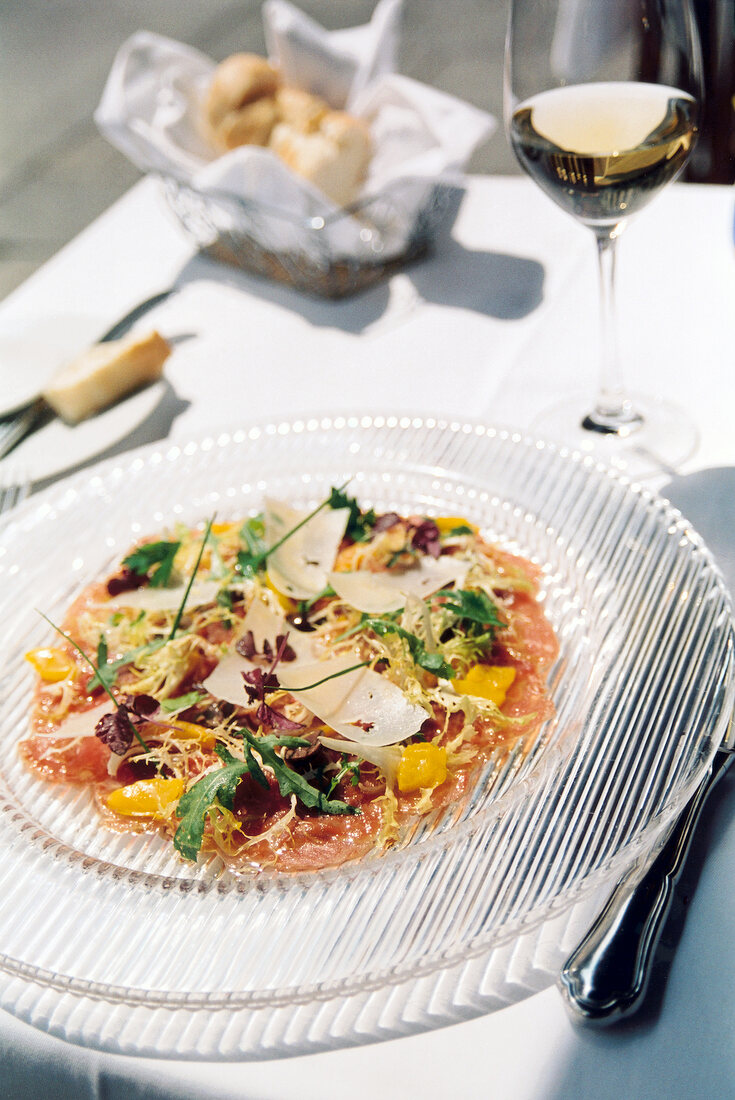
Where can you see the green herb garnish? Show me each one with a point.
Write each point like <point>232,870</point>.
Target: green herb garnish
<point>108,670</point>
<point>359,524</point>
<point>220,786</point>
<point>194,804</point>
<point>181,702</point>
<point>290,781</point>
<point>187,590</point>
<point>251,560</point>
<point>331,676</point>
<point>473,608</point>
<point>159,554</point>
<point>424,658</point>
<point>99,675</point>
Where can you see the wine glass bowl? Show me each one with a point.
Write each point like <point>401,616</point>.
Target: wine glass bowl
<point>602,102</point>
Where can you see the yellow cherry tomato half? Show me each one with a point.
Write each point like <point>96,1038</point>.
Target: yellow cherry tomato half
<point>423,765</point>
<point>51,664</point>
<point>487,682</point>
<point>146,798</point>
<point>446,524</point>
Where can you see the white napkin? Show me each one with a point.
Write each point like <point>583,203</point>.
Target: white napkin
<point>151,102</point>
<point>335,65</point>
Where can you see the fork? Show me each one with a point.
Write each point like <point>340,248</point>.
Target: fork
<point>13,490</point>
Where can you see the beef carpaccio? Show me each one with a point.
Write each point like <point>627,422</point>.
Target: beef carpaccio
<point>291,690</point>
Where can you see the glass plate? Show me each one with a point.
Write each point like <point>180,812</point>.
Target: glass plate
<point>113,942</point>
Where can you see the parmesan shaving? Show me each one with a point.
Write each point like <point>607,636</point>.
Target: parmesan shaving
<point>81,723</point>
<point>266,625</point>
<point>362,705</point>
<point>381,593</point>
<point>167,599</point>
<point>299,568</point>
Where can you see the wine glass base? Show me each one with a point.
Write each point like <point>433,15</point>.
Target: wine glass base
<point>658,442</point>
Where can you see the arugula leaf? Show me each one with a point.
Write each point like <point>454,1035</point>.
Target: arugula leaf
<point>432,662</point>
<point>290,781</point>
<point>161,554</point>
<point>195,803</point>
<point>181,702</point>
<point>220,786</point>
<point>472,605</point>
<point>349,767</point>
<point>461,529</point>
<point>359,524</point>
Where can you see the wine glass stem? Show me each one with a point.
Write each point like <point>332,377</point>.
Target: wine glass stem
<point>613,413</point>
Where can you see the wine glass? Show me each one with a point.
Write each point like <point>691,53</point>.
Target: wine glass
<point>602,103</point>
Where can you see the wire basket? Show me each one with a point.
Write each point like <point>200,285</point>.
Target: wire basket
<point>333,256</point>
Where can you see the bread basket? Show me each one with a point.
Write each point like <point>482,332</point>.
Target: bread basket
<point>304,252</point>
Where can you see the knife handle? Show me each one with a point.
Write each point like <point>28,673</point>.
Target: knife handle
<point>606,976</point>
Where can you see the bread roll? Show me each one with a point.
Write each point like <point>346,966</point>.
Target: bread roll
<point>247,105</point>
<point>300,109</point>
<point>242,80</point>
<point>334,158</point>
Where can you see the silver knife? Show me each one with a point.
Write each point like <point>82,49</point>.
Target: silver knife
<point>15,428</point>
<point>606,977</point>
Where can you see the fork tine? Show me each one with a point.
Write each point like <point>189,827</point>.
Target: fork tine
<point>17,427</point>
<point>14,488</point>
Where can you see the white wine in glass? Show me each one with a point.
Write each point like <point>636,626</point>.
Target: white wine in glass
<point>602,103</point>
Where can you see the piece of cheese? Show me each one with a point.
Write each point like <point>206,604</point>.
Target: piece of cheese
<point>147,598</point>
<point>104,373</point>
<point>360,704</point>
<point>298,568</point>
<point>380,593</point>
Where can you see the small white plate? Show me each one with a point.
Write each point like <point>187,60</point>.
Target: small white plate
<point>32,351</point>
<point>57,446</point>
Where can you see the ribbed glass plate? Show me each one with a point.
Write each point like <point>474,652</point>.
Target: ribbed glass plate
<point>113,942</point>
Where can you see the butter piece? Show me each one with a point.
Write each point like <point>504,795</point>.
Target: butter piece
<point>104,373</point>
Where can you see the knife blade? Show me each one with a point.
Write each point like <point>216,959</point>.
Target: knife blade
<point>606,977</point>
<point>15,428</point>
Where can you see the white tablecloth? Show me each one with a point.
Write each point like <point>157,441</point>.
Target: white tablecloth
<point>501,322</point>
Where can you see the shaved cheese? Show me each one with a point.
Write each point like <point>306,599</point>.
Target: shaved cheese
<point>81,723</point>
<point>226,681</point>
<point>167,599</point>
<point>387,757</point>
<point>266,625</point>
<point>379,593</point>
<point>361,705</point>
<point>299,567</point>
